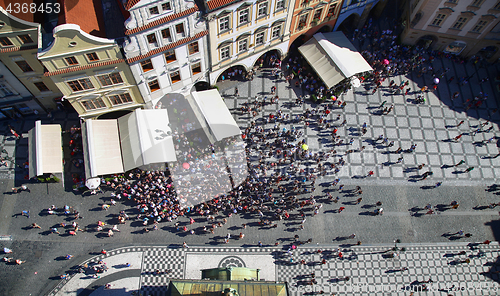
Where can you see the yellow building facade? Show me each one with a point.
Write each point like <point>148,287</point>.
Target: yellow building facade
<point>91,72</point>
<point>19,44</point>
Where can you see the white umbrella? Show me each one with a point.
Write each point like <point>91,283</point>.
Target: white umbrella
<point>93,183</point>
<point>7,250</point>
<point>355,82</point>
<point>436,80</point>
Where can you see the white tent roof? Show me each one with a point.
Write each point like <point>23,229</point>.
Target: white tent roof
<point>333,57</point>
<point>45,149</point>
<point>215,111</point>
<point>101,145</point>
<point>146,138</point>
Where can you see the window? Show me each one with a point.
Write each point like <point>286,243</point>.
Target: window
<point>179,28</point>
<point>110,79</point>
<point>259,38</point>
<point>147,65</point>
<point>196,68</point>
<point>175,76</point>
<point>41,86</point>
<point>225,53</point>
<point>93,104</point>
<point>452,1</point>
<point>120,99</point>
<point>280,4</point>
<point>244,14</point>
<point>25,38</point>
<point>317,15</point>
<point>152,39</point>
<point>331,10</point>
<point>92,57</point>
<point>243,45</point>
<point>154,11</point>
<point>165,34</point>
<point>5,90</point>
<point>5,41</point>
<point>354,2</point>
<point>276,32</point>
<point>459,23</point>
<point>25,67</point>
<point>439,19</point>
<point>497,6</point>
<point>80,84</point>
<point>170,56</point>
<point>71,61</point>
<point>479,26</point>
<point>166,6</point>
<point>477,3</point>
<point>154,85</point>
<point>193,47</point>
<point>262,9</point>
<point>224,24</point>
<point>302,21</point>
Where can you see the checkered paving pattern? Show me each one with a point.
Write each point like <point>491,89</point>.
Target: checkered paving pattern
<point>161,259</point>
<point>430,125</point>
<point>371,268</point>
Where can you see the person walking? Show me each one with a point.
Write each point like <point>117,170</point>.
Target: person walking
<point>460,123</point>
<point>236,92</point>
<point>459,163</point>
<point>467,170</point>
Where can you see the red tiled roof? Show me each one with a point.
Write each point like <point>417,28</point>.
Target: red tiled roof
<point>87,14</point>
<point>163,20</point>
<point>213,4</point>
<point>26,16</point>
<point>131,3</point>
<point>17,48</point>
<point>167,47</point>
<point>85,67</point>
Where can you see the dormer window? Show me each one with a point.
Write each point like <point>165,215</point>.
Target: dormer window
<point>179,29</point>
<point>5,41</point>
<point>71,61</point>
<point>152,40</point>
<point>25,38</point>
<point>154,11</point>
<point>166,6</point>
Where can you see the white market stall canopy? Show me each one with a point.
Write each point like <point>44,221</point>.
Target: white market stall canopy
<point>45,149</point>
<point>333,57</point>
<point>137,139</point>
<point>215,111</point>
<point>101,146</point>
<point>146,138</point>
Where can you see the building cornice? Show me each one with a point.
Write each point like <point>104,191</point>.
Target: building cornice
<point>84,67</point>
<point>167,47</point>
<point>163,20</point>
<point>18,48</point>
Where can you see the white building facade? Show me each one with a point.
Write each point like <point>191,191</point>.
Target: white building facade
<point>165,47</point>
<point>241,32</point>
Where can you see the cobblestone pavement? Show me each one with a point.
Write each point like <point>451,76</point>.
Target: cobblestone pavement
<point>370,269</point>
<point>431,125</point>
